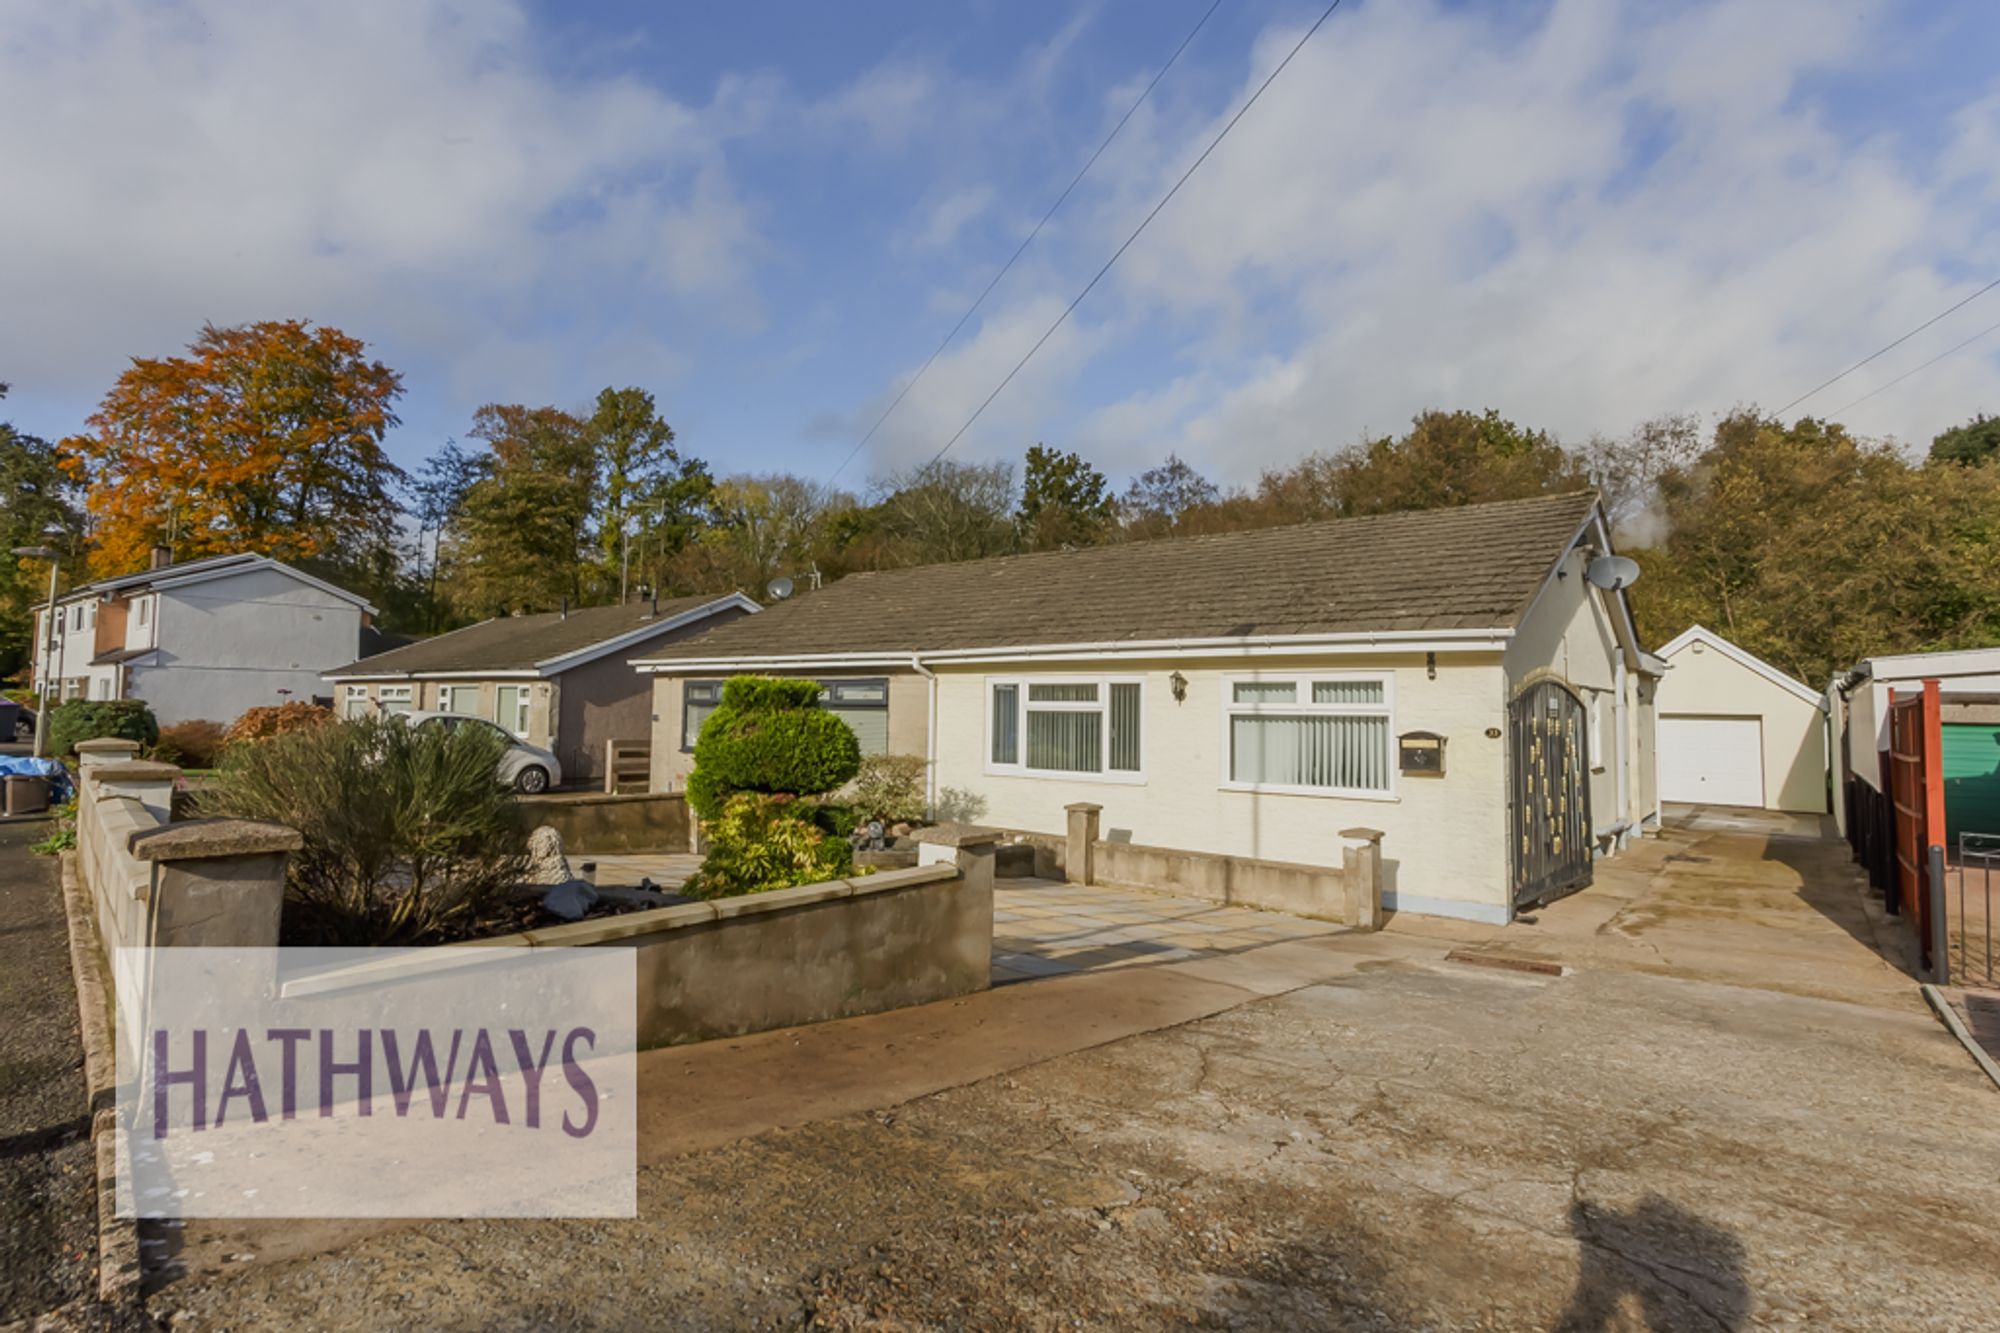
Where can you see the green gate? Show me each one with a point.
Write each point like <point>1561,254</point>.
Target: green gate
<point>1971,780</point>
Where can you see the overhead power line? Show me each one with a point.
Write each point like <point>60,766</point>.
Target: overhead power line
<point>1887,348</point>
<point>1949,351</point>
<point>1029,240</point>
<point>1145,222</point>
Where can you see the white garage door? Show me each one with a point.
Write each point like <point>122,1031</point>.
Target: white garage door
<point>1712,760</point>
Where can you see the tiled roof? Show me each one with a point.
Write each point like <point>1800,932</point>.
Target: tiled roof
<point>520,643</point>
<point>1472,567</point>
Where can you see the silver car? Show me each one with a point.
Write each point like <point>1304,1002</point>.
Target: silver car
<point>526,768</point>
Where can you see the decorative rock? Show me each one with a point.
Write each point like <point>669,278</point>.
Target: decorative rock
<point>546,862</point>
<point>569,900</point>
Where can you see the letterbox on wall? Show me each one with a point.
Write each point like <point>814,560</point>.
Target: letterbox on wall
<point>1421,754</point>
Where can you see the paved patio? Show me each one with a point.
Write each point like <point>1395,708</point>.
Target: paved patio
<point>1046,928</point>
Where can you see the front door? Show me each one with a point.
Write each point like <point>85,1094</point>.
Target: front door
<point>1549,749</point>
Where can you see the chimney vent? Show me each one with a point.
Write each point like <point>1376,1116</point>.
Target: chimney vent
<point>162,556</point>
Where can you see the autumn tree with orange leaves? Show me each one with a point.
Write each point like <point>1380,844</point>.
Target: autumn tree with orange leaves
<point>264,438</point>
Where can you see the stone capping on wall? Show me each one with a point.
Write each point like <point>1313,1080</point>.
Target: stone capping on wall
<point>200,839</point>
<point>106,745</point>
<point>610,930</point>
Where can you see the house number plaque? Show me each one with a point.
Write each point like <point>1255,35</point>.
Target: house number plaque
<point>1421,753</point>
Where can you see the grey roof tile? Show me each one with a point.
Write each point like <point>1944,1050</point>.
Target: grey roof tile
<point>1472,567</point>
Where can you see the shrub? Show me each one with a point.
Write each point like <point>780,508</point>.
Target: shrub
<point>62,837</point>
<point>261,724</point>
<point>956,805</point>
<point>837,817</point>
<point>408,831</point>
<point>90,719</point>
<point>769,735</point>
<point>890,787</point>
<point>190,744</point>
<point>760,842</point>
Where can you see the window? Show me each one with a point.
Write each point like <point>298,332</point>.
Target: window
<point>1311,734</point>
<point>1082,727</point>
<point>510,708</point>
<point>76,617</point>
<point>862,704</point>
<point>145,608</point>
<point>699,698</point>
<point>73,688</point>
<point>356,704</point>
<point>394,699</point>
<point>459,699</point>
<point>1600,716</point>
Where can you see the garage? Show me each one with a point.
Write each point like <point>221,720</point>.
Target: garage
<point>1735,730</point>
<point>1712,760</point>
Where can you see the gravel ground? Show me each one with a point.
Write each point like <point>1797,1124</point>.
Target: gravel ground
<point>1424,1146</point>
<point>48,1211</point>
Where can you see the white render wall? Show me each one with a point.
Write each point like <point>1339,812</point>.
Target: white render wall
<point>233,643</point>
<point>1444,849</point>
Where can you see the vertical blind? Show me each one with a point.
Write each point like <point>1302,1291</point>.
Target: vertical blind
<point>1067,726</point>
<point>1350,752</point>
<point>1006,724</point>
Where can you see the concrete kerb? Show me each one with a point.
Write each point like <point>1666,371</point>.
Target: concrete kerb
<point>1956,1026</point>
<point>118,1270</point>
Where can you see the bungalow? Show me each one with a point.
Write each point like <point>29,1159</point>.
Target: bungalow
<point>558,679</point>
<point>1467,681</point>
<point>203,639</point>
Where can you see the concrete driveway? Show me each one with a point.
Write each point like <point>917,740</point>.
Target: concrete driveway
<point>1728,1111</point>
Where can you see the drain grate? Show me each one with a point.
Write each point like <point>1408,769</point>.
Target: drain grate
<point>1535,965</point>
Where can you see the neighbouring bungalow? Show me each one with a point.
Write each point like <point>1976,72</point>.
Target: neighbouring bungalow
<point>201,639</point>
<point>559,679</point>
<point>1735,730</point>
<point>1467,681</point>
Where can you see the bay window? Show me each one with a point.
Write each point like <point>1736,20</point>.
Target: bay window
<point>1087,728</point>
<point>1312,733</point>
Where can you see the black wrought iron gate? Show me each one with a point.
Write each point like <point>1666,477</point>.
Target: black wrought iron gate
<point>1549,751</point>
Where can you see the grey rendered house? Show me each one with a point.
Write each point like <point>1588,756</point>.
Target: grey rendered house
<point>558,679</point>
<point>201,639</point>
<point>1467,682</point>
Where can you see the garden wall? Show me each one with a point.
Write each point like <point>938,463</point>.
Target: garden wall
<point>803,955</point>
<point>607,825</point>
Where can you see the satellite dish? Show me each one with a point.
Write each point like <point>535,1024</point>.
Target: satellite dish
<point>1612,572</point>
<point>780,589</point>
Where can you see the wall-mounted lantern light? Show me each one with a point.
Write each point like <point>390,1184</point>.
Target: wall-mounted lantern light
<point>1178,683</point>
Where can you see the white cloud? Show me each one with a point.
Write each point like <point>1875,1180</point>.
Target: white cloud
<point>1617,211</point>
<point>409,169</point>
<point>949,215</point>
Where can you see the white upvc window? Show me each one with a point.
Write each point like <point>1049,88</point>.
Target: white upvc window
<point>459,699</point>
<point>1077,727</point>
<point>355,704</point>
<point>1310,733</point>
<point>510,708</point>
<point>145,609</point>
<point>394,699</point>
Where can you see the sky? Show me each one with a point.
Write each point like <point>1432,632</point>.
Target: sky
<point>1581,213</point>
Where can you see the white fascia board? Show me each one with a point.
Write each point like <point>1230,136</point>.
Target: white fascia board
<point>582,656</point>
<point>1749,661</point>
<point>1345,645</point>
<point>1950,662</point>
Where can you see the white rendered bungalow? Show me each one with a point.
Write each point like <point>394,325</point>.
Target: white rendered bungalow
<point>1466,681</point>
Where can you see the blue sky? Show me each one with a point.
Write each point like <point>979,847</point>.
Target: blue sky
<point>1583,213</point>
